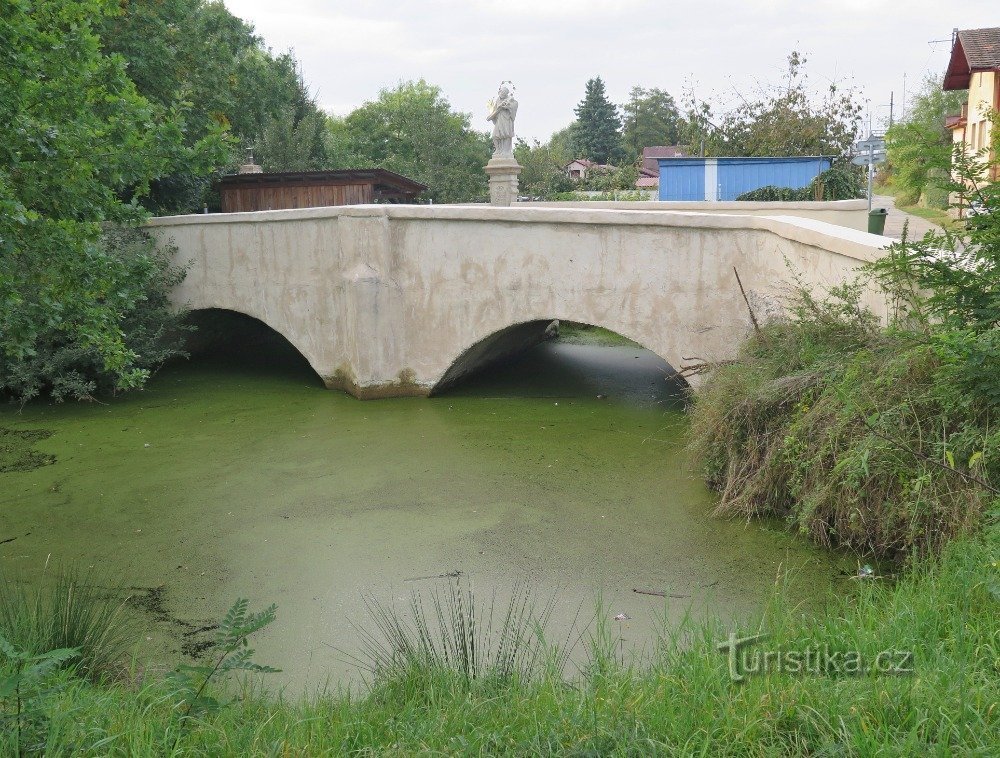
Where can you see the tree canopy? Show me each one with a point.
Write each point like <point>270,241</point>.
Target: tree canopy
<point>412,129</point>
<point>79,146</point>
<point>651,118</point>
<point>919,145</point>
<point>197,57</point>
<point>787,119</point>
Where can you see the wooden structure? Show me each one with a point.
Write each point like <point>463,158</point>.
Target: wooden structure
<point>312,189</point>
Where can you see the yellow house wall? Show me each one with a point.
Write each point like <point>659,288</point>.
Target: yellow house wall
<point>982,98</point>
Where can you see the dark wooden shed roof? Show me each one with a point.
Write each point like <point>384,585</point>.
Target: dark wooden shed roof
<point>972,50</point>
<point>382,179</point>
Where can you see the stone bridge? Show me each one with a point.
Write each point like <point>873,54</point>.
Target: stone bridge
<point>389,300</point>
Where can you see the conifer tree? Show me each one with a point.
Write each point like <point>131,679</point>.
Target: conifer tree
<point>597,133</point>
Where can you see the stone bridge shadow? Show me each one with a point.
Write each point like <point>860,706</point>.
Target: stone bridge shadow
<point>507,344</point>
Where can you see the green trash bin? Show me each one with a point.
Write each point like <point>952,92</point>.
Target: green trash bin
<point>876,220</point>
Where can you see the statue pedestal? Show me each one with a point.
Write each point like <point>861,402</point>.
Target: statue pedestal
<point>503,171</point>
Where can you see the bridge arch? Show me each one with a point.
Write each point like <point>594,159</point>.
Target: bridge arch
<point>508,341</point>
<point>231,330</point>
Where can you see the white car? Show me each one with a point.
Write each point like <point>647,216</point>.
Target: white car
<point>976,208</point>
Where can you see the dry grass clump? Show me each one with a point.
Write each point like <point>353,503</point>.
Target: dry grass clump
<point>851,432</point>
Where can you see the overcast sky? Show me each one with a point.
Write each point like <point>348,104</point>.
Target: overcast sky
<point>549,48</point>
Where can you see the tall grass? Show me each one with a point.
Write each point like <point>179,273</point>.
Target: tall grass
<point>451,630</point>
<point>677,701</point>
<point>69,608</point>
<point>852,432</point>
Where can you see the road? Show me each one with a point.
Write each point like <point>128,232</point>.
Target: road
<point>896,218</point>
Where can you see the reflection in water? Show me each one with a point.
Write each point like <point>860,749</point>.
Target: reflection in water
<point>229,479</point>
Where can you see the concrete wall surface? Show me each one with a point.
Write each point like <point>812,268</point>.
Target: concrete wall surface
<point>850,213</point>
<point>389,300</point>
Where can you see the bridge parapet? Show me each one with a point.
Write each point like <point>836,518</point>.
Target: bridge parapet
<point>383,300</point>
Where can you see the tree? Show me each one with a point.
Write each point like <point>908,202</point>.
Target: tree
<point>597,132</point>
<point>788,119</point>
<point>288,143</point>
<point>412,130</point>
<point>920,146</point>
<point>542,169</point>
<point>196,56</point>
<point>651,118</point>
<point>78,148</point>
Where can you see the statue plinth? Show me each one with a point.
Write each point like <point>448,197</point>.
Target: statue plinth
<point>503,171</point>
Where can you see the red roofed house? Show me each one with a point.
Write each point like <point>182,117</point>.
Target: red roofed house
<point>975,66</point>
<point>579,168</point>
<point>649,169</point>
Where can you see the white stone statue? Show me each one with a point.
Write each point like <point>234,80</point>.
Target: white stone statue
<point>502,113</point>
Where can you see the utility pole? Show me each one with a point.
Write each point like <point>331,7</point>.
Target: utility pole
<point>903,106</point>
<point>891,95</point>
<point>871,169</point>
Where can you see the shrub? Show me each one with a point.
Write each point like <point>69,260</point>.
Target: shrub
<point>135,276</point>
<point>837,183</point>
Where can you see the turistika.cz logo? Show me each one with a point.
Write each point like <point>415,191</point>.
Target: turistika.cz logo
<point>819,660</point>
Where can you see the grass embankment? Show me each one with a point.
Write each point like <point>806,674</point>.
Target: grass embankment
<point>853,433</point>
<point>681,700</point>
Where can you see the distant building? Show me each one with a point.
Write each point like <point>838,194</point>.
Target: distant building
<point>581,168</point>
<point>260,191</point>
<point>715,179</point>
<point>975,66</point>
<point>649,169</point>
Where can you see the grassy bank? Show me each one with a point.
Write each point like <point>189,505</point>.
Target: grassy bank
<point>680,700</point>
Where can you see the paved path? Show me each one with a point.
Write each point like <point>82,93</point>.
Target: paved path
<point>896,218</point>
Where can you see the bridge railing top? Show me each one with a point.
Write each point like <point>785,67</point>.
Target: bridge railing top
<point>820,234</point>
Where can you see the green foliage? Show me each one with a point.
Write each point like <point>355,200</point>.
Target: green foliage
<point>623,196</point>
<point>787,119</point>
<point>412,130</point>
<point>920,146</point>
<point>290,143</point>
<point>24,681</point>
<point>458,634</point>
<point>836,183</point>
<point>234,655</point>
<point>771,193</point>
<point>86,320</point>
<point>651,117</point>
<point>79,147</point>
<point>196,57</point>
<point>69,610</point>
<point>608,180</point>
<point>542,173</point>
<point>597,131</point>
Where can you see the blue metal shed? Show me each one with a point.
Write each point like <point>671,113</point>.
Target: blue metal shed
<point>727,178</point>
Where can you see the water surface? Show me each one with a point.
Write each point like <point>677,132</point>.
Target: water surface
<point>565,469</point>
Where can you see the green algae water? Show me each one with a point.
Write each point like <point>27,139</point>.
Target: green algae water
<point>565,469</point>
